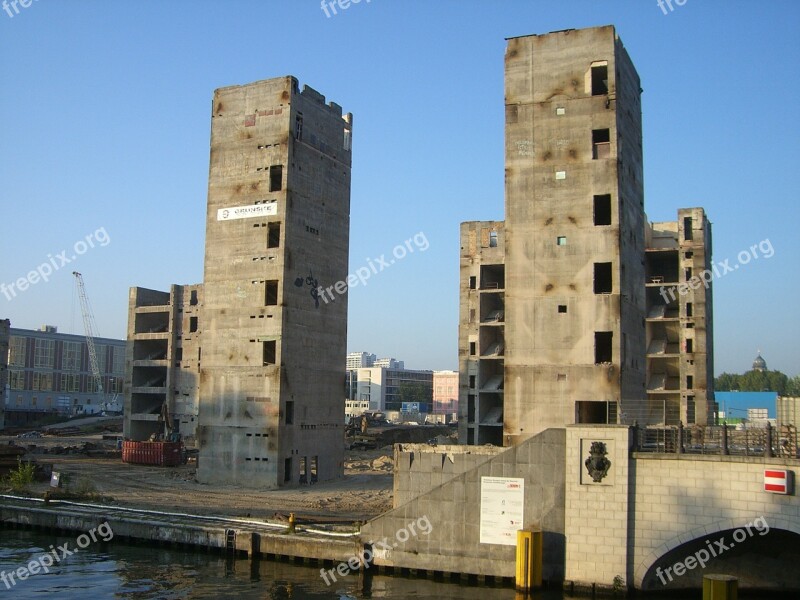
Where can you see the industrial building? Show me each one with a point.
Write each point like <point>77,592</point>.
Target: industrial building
<point>50,372</point>
<point>257,358</point>
<point>554,300</point>
<point>5,326</point>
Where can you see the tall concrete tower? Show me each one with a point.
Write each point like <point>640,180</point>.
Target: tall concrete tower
<point>271,401</point>
<point>574,232</point>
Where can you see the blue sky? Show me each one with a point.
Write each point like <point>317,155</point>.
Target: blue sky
<point>105,117</point>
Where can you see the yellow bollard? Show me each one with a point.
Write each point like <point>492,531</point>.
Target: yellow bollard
<point>529,560</point>
<point>291,523</point>
<point>720,587</point>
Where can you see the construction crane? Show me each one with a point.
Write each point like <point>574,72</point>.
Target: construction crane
<point>89,327</point>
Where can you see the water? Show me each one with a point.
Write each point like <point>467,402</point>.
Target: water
<point>116,570</point>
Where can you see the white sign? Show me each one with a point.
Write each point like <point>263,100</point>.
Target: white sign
<point>247,212</point>
<point>502,509</point>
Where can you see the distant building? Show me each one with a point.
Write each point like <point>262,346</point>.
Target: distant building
<point>51,372</point>
<point>389,363</point>
<point>788,411</point>
<point>355,408</point>
<point>445,392</point>
<point>5,326</point>
<point>759,364</point>
<point>360,360</point>
<point>385,388</point>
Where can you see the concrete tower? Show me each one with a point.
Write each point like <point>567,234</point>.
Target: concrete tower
<point>271,403</point>
<point>574,234</point>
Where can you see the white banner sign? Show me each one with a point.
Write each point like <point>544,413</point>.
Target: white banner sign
<point>502,509</point>
<point>247,212</point>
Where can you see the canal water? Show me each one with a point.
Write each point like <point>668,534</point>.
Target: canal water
<point>115,570</point>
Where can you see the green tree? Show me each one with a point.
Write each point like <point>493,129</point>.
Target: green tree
<point>793,386</point>
<point>416,392</point>
<point>727,382</point>
<point>753,381</point>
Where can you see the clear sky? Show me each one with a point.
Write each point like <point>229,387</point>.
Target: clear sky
<point>104,132</point>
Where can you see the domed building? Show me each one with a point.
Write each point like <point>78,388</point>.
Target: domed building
<point>759,364</point>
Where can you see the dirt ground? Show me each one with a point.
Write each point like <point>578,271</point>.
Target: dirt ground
<point>364,492</point>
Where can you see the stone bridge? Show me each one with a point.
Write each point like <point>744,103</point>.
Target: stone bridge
<point>652,521</point>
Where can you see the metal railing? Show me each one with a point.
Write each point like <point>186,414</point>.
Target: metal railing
<point>719,439</point>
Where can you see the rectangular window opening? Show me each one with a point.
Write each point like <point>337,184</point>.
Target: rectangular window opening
<point>602,278</point>
<point>273,235</point>
<point>602,209</point>
<point>562,308</point>
<point>472,381</point>
<point>472,348</point>
<point>271,292</point>
<point>691,417</point>
<point>192,324</point>
<point>473,282</point>
<point>601,144</point>
<point>561,240</point>
<point>287,470</point>
<point>600,80</point>
<point>687,273</point>
<point>290,412</point>
<point>193,298</point>
<point>689,345</point>
<point>275,178</point>
<point>270,352</point>
<point>689,382</point>
<point>687,229</point>
<point>298,127</point>
<point>492,239</point>
<point>689,309</point>
<point>603,347</point>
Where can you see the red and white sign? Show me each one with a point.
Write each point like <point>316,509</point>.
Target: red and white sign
<point>777,482</point>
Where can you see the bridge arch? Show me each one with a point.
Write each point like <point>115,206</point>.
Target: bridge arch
<point>760,537</point>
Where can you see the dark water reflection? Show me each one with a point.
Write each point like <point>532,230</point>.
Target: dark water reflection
<point>115,570</point>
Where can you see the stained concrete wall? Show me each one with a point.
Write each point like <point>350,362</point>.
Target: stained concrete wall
<point>418,468</point>
<point>454,512</point>
<point>552,242</point>
<point>264,413</point>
